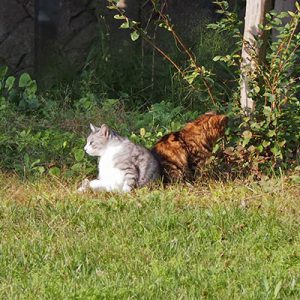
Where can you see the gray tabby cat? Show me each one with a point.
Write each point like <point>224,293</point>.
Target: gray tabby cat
<point>122,165</point>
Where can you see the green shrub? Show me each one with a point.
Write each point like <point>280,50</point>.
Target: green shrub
<point>270,136</point>
<point>30,141</point>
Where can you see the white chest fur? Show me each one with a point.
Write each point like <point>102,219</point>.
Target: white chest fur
<point>111,177</point>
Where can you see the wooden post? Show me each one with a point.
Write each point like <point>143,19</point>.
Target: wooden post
<point>255,15</point>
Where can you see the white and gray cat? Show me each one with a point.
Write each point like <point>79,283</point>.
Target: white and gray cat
<point>122,165</point>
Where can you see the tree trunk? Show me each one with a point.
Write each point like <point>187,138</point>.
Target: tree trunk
<point>255,15</point>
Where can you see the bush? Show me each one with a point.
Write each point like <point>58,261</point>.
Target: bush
<point>270,136</point>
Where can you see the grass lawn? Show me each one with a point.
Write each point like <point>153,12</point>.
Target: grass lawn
<point>216,240</point>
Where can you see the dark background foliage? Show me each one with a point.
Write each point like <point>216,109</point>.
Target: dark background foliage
<point>67,63</point>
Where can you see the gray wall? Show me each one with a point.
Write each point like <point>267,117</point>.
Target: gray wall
<point>53,37</point>
<point>17,34</point>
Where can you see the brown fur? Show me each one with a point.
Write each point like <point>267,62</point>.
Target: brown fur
<point>180,153</point>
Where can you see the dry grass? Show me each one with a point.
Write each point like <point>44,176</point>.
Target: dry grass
<point>213,240</point>
<point>281,193</point>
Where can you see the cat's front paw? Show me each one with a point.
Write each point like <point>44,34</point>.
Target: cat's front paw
<point>85,184</point>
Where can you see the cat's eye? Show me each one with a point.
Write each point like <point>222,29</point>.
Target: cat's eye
<point>91,143</point>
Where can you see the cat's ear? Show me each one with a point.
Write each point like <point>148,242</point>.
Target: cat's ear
<point>105,130</point>
<point>93,128</point>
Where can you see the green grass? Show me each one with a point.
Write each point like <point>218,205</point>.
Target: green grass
<point>214,241</point>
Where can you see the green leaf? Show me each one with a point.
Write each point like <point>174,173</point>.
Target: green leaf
<point>55,171</point>
<point>266,144</point>
<point>79,154</point>
<point>31,88</point>
<point>125,25</point>
<point>142,132</point>
<point>36,162</point>
<point>257,89</point>
<point>268,27</point>
<point>9,83</point>
<point>245,142</point>
<point>119,17</point>
<point>24,80</point>
<point>216,148</point>
<point>216,58</point>
<point>261,26</point>
<point>255,125</point>
<point>260,148</point>
<point>267,111</point>
<point>276,150</point>
<point>40,169</point>
<point>191,77</point>
<point>134,35</point>
<point>292,14</point>
<point>271,133</point>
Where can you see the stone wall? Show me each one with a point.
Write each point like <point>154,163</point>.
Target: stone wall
<point>17,35</point>
<point>64,32</point>
<point>52,38</point>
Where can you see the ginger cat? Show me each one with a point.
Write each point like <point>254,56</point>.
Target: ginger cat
<point>180,153</point>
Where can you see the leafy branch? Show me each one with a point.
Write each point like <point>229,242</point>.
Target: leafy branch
<point>189,74</point>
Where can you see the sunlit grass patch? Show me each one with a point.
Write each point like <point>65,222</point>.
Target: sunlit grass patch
<point>212,240</point>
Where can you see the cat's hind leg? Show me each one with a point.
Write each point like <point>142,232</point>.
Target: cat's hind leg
<point>126,188</point>
<point>95,185</point>
<point>84,186</point>
<point>98,185</point>
<point>130,181</point>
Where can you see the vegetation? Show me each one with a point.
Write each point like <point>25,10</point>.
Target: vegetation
<point>43,131</point>
<point>234,234</point>
<point>213,240</point>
